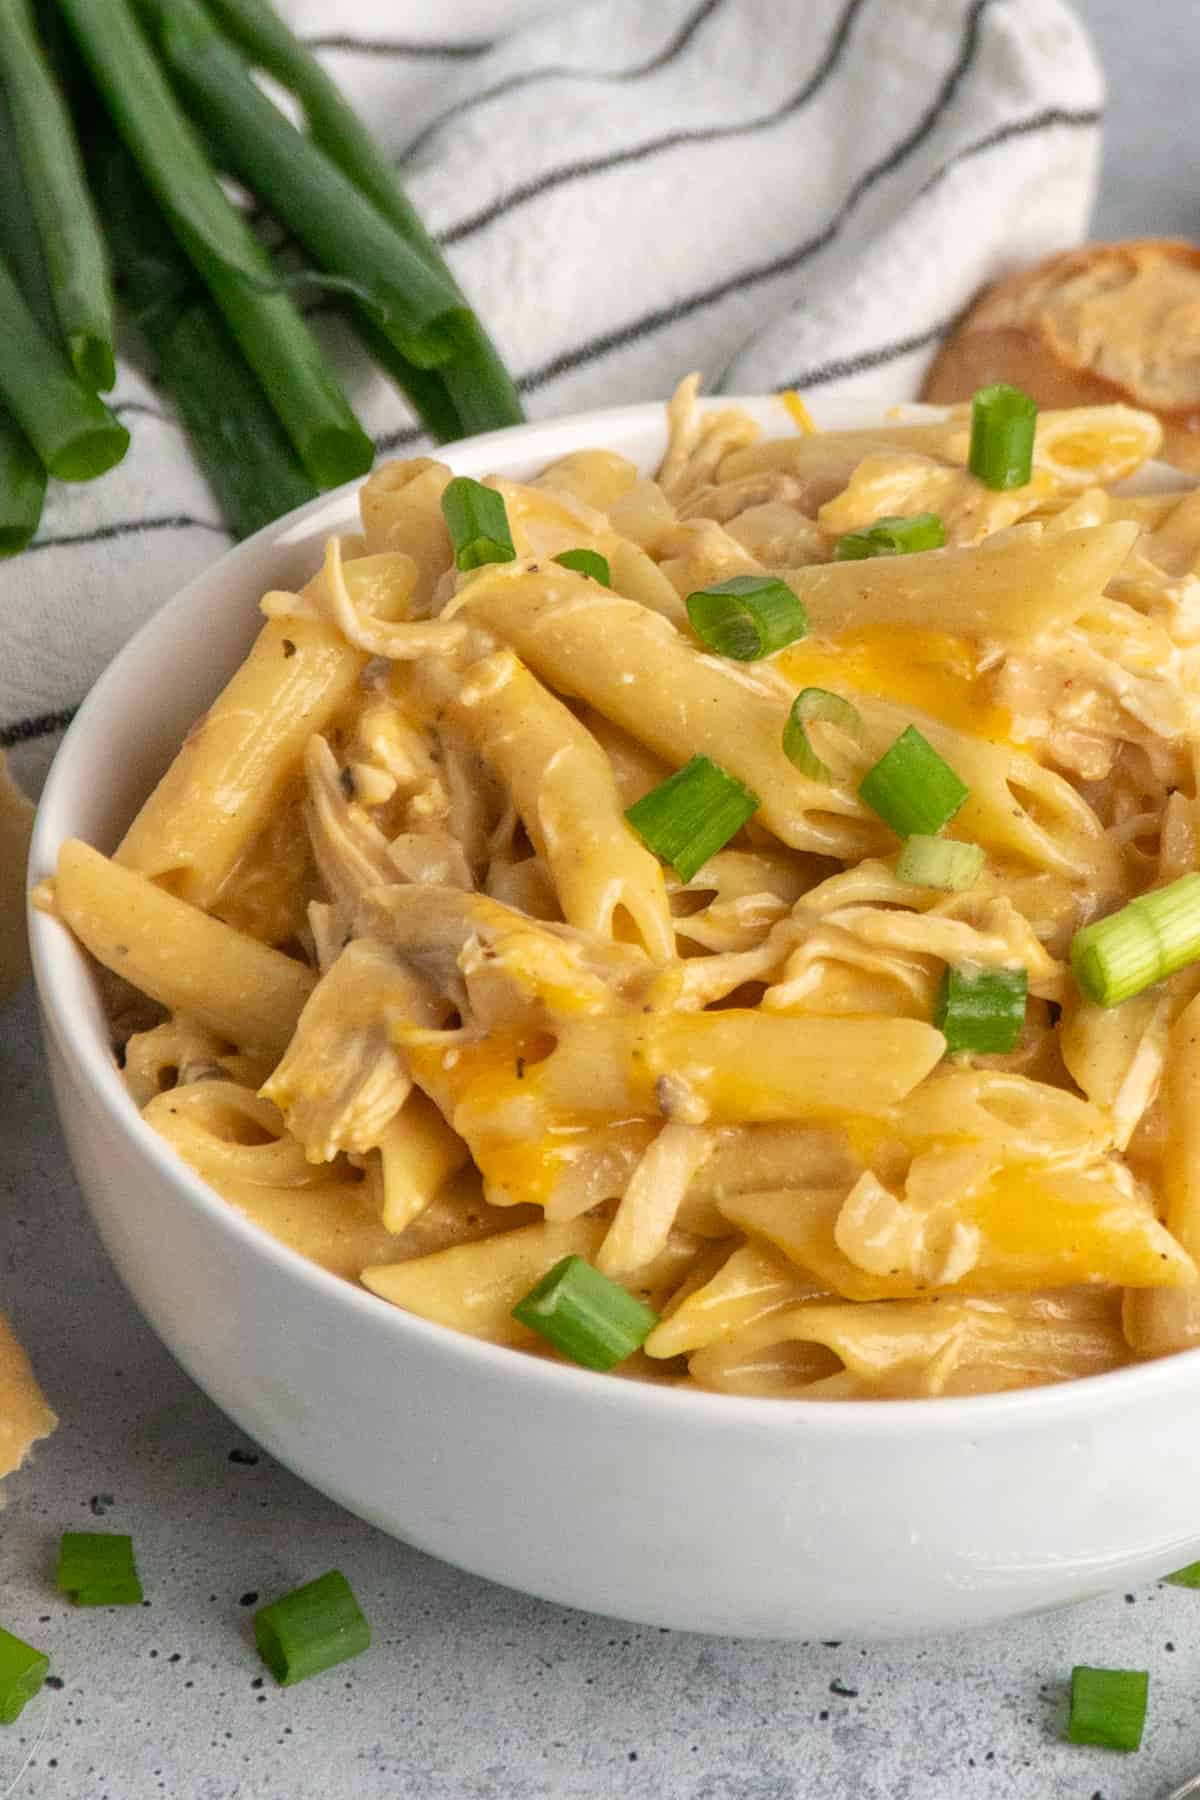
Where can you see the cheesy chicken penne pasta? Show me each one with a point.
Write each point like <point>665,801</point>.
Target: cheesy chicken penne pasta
<point>738,923</point>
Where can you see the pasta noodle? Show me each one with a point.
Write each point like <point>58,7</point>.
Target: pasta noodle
<point>441,1012</point>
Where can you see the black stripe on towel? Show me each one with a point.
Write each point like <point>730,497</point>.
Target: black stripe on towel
<point>859,361</point>
<point>615,159</point>
<point>101,534</point>
<point>43,725</point>
<point>363,46</point>
<point>662,58</point>
<point>1074,118</point>
<point>395,440</point>
<point>790,260</point>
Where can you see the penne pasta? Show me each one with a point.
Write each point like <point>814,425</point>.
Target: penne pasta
<point>1009,591</point>
<point>601,950</point>
<point>240,758</point>
<point>245,992</point>
<point>563,788</point>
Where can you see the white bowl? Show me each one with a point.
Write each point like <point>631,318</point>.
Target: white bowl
<point>782,1519</point>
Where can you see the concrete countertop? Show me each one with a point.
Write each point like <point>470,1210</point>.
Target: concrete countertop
<point>472,1692</point>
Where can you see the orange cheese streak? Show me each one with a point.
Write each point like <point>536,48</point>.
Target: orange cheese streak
<point>927,670</point>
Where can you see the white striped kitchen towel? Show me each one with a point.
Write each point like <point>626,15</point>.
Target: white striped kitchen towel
<point>777,192</point>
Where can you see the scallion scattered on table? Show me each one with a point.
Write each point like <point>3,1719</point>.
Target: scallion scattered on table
<point>96,1568</point>
<point>692,814</point>
<point>1108,1707</point>
<point>585,1316</point>
<point>22,1672</point>
<point>312,1629</point>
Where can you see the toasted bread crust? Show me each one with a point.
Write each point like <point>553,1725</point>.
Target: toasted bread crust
<point>1102,323</point>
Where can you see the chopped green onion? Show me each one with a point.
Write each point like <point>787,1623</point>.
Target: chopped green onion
<point>480,389</point>
<point>478,522</point>
<point>1108,1707</point>
<point>313,1628</point>
<point>747,616</point>
<point>911,788</point>
<point>1003,426</point>
<point>22,487</point>
<point>414,305</point>
<point>69,426</point>
<point>587,562</point>
<point>22,1672</point>
<point>1188,1576</point>
<point>981,1009</point>
<point>270,332</point>
<point>1145,942</point>
<point>587,1317</point>
<point>97,1569</point>
<point>936,862</point>
<point>892,537</point>
<point>238,441</point>
<point>692,815</point>
<point>814,703</point>
<point>75,260</point>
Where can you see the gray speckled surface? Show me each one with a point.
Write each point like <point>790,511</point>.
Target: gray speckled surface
<point>471,1692</point>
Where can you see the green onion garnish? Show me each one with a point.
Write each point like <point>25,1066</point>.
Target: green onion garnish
<point>76,264</point>
<point>196,359</point>
<point>72,430</point>
<point>817,703</point>
<point>22,1672</point>
<point>1188,1577</point>
<point>22,487</point>
<point>911,788</point>
<point>892,537</point>
<point>97,1569</point>
<point>747,616</point>
<point>587,1317</point>
<point>587,562</point>
<point>313,1628</point>
<point>1145,942</point>
<point>237,271</point>
<point>692,815</point>
<point>414,304</point>
<point>936,862</point>
<point>981,1009</point>
<point>1003,424</point>
<point>1108,1707</point>
<point>478,522</point>
<point>480,395</point>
